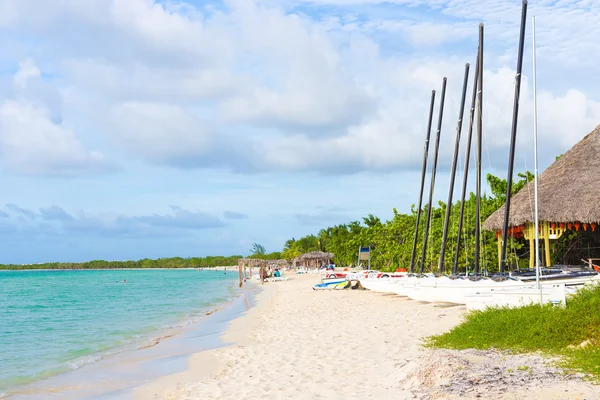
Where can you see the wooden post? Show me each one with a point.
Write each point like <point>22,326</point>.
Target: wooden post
<point>240,273</point>
<point>499,251</point>
<point>531,229</point>
<point>262,274</point>
<point>546,231</point>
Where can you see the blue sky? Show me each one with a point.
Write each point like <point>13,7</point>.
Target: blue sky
<point>139,128</point>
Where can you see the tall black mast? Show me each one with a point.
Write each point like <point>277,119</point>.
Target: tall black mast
<point>453,173</point>
<point>478,160</point>
<point>513,137</point>
<point>466,172</point>
<point>435,158</point>
<point>423,173</point>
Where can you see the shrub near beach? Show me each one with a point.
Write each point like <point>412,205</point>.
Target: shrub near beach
<point>571,332</point>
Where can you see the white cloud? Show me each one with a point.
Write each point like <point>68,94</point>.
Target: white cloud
<point>258,86</point>
<point>159,131</point>
<point>30,143</point>
<point>27,71</point>
<point>33,139</point>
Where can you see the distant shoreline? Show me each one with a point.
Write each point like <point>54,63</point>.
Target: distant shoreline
<point>219,268</point>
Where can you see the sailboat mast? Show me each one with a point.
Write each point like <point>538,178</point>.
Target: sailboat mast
<point>423,173</point>
<point>453,171</point>
<point>435,159</point>
<point>513,138</point>
<point>535,163</point>
<point>478,160</point>
<point>466,171</point>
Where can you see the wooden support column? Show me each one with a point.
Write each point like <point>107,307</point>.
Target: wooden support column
<point>499,250</point>
<point>240,273</point>
<point>546,232</point>
<point>531,233</point>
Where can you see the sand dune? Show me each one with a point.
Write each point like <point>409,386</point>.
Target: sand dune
<point>353,344</point>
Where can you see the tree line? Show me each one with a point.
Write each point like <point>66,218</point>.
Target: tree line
<point>172,262</point>
<point>391,242</point>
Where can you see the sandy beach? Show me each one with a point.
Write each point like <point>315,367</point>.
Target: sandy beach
<point>297,343</point>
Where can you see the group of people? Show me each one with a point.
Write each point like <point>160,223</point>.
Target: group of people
<point>271,273</point>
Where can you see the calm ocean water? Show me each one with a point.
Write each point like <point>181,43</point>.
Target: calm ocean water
<point>55,321</point>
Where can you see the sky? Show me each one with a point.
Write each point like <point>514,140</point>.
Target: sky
<point>145,128</point>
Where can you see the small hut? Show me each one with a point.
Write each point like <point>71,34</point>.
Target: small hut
<point>281,263</point>
<point>250,263</point>
<point>315,259</point>
<point>568,199</point>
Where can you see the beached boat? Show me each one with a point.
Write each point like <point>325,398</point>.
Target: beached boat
<point>461,290</point>
<point>554,293</point>
<point>376,281</point>
<point>329,284</point>
<point>382,285</point>
<point>536,285</point>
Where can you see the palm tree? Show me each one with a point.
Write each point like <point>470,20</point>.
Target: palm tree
<point>258,250</point>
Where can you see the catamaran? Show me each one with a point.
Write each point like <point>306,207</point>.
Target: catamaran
<point>517,287</point>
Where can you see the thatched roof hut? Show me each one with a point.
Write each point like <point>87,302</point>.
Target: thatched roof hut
<point>280,263</point>
<point>316,255</point>
<point>251,262</point>
<point>568,190</point>
<point>315,259</point>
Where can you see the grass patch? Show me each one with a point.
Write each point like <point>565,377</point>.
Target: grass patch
<point>553,330</point>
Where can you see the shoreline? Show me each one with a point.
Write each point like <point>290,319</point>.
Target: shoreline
<point>205,363</point>
<point>304,344</point>
<point>159,353</point>
<point>219,268</point>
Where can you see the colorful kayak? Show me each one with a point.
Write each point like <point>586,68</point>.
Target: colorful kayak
<point>327,284</point>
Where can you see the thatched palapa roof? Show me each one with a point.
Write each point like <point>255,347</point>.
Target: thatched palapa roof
<point>281,261</point>
<point>316,255</point>
<point>251,262</point>
<point>568,190</point>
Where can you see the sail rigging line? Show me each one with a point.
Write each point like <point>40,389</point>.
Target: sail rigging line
<point>538,271</point>
<point>466,169</point>
<point>478,159</point>
<point>531,201</point>
<point>513,138</point>
<point>453,170</point>
<point>423,175</point>
<point>433,171</point>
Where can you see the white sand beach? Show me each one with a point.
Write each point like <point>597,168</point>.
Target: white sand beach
<point>298,343</point>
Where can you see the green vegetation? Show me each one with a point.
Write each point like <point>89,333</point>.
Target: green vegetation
<point>570,332</point>
<point>175,262</point>
<point>391,241</point>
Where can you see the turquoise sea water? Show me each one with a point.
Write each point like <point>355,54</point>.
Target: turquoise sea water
<point>55,321</point>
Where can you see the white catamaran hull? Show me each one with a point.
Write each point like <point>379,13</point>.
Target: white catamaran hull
<point>394,284</point>
<point>458,291</point>
<point>381,285</point>
<point>517,297</point>
<point>552,292</point>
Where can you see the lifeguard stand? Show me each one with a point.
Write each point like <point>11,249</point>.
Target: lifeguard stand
<point>364,253</point>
